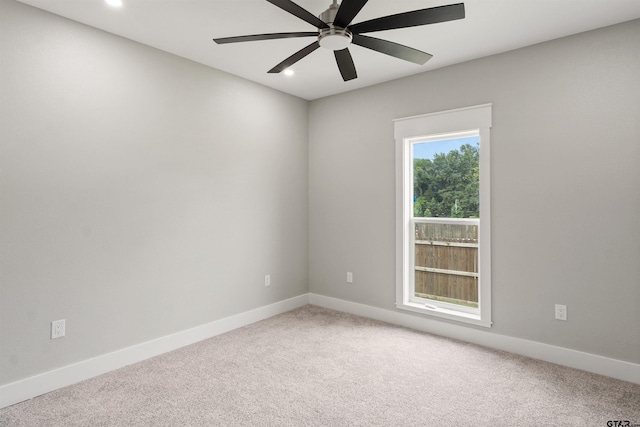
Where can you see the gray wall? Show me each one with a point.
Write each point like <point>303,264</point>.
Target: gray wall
<point>565,186</point>
<point>141,194</point>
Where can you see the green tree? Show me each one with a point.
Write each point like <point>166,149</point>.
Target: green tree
<point>448,185</point>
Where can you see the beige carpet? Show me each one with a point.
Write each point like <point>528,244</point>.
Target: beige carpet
<point>318,367</point>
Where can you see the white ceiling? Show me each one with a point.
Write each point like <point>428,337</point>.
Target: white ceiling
<point>187,27</point>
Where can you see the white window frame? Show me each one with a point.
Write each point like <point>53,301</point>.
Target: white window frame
<point>430,127</point>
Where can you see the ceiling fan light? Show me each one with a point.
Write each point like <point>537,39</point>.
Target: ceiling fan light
<point>334,38</point>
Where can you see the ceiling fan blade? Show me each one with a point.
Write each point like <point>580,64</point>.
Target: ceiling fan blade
<point>295,57</point>
<point>256,37</point>
<point>300,12</point>
<point>393,49</point>
<point>345,64</point>
<point>431,15</point>
<point>348,10</point>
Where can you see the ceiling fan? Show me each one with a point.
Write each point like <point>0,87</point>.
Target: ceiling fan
<point>336,33</point>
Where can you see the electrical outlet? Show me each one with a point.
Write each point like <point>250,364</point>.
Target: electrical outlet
<point>349,277</point>
<point>561,312</point>
<point>57,329</point>
<point>267,280</point>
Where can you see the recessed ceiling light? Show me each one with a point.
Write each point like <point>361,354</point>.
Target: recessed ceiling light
<point>114,3</point>
<point>289,72</point>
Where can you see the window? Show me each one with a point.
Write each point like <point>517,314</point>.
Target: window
<point>443,242</point>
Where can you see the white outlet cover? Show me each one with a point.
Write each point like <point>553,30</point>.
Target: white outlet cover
<point>267,280</point>
<point>561,312</point>
<point>58,329</point>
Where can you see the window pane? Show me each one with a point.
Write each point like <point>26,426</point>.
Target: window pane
<point>446,178</point>
<point>446,262</point>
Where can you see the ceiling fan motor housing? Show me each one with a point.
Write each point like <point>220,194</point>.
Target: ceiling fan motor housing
<point>333,38</point>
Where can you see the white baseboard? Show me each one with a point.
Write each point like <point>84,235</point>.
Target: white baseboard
<point>614,368</point>
<point>31,387</point>
<point>43,383</point>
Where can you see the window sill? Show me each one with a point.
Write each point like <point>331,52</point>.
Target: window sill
<point>443,313</point>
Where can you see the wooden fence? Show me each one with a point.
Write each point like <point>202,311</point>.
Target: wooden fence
<point>446,262</point>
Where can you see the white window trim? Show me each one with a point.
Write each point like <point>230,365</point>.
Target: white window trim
<point>429,127</point>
